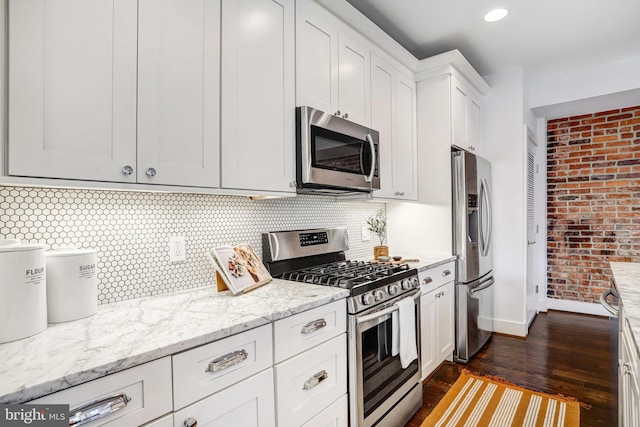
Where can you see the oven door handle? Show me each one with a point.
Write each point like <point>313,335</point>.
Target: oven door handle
<point>382,313</point>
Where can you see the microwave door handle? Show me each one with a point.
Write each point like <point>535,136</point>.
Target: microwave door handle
<point>373,158</point>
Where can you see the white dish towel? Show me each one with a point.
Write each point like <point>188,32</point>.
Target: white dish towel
<point>403,327</point>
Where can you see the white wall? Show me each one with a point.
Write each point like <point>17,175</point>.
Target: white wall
<point>586,89</point>
<point>504,147</point>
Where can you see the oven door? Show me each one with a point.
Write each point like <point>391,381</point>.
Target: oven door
<point>377,381</point>
<point>336,153</point>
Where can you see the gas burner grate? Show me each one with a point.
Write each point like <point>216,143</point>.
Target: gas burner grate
<point>344,274</point>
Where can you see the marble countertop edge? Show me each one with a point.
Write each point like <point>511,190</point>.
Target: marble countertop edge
<point>129,333</point>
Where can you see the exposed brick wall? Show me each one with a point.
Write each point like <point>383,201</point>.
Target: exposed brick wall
<point>593,198</point>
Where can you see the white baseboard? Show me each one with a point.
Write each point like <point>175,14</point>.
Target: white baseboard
<point>577,307</point>
<point>510,327</point>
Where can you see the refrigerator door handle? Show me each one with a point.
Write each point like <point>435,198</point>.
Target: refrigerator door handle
<point>485,218</point>
<point>483,285</point>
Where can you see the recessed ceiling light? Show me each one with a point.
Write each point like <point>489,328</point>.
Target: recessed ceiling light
<point>495,15</point>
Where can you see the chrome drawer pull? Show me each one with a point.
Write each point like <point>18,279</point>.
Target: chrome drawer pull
<point>446,273</point>
<point>315,380</point>
<point>230,359</point>
<point>427,280</point>
<point>313,326</point>
<point>97,409</point>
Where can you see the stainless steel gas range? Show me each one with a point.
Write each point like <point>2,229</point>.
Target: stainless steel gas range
<point>381,391</point>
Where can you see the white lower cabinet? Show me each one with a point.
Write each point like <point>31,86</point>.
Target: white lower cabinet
<point>137,395</point>
<point>166,421</point>
<point>628,376</point>
<point>437,321</point>
<point>311,367</point>
<point>248,403</point>
<point>308,383</point>
<point>335,415</point>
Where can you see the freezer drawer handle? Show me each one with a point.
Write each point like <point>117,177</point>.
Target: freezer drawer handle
<point>313,326</point>
<point>315,380</point>
<point>228,360</point>
<point>97,409</point>
<point>484,286</point>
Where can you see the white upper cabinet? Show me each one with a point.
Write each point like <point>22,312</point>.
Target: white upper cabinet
<point>316,59</point>
<point>333,65</point>
<point>393,104</point>
<point>258,95</point>
<point>178,92</point>
<point>354,79</point>
<point>72,89</point>
<point>466,116</point>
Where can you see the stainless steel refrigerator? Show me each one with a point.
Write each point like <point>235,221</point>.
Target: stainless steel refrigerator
<point>472,245</point>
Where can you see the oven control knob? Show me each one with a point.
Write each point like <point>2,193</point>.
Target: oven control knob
<point>394,289</point>
<point>379,295</point>
<point>406,285</point>
<point>368,299</point>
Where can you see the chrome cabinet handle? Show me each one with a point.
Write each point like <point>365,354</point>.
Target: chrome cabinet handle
<point>190,422</point>
<point>605,304</point>
<point>97,409</point>
<point>228,360</point>
<point>127,170</point>
<point>427,280</point>
<point>151,172</point>
<point>313,326</point>
<point>345,115</point>
<point>315,380</point>
<point>529,242</point>
<point>399,193</point>
<point>337,113</point>
<point>446,273</point>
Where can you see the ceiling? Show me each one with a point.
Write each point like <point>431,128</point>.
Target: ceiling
<point>542,36</point>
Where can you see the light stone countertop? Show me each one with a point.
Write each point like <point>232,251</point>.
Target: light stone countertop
<point>125,334</point>
<point>626,276</point>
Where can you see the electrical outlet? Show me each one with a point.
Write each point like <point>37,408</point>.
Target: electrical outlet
<point>177,249</point>
<point>366,234</point>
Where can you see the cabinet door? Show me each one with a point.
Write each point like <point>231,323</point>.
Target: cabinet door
<point>445,321</point>
<point>405,145</point>
<point>475,124</point>
<point>178,92</point>
<point>383,112</point>
<point>316,58</point>
<point>459,114</point>
<point>354,79</point>
<point>427,333</point>
<point>258,104</point>
<point>248,403</point>
<point>72,89</point>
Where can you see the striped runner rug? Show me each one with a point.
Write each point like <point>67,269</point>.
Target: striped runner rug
<point>492,402</point>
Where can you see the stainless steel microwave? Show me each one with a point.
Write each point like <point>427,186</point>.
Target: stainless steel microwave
<point>334,155</point>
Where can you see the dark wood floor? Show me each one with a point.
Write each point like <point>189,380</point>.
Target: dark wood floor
<point>564,353</point>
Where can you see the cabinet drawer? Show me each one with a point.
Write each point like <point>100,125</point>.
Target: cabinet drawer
<point>434,277</point>
<point>166,421</point>
<point>308,383</point>
<point>295,334</point>
<point>336,415</point>
<point>210,368</point>
<point>248,403</point>
<point>147,386</point>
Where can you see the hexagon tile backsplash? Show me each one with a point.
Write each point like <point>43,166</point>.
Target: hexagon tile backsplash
<point>131,230</point>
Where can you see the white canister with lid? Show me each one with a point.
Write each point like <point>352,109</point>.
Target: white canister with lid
<point>23,292</point>
<point>72,283</point>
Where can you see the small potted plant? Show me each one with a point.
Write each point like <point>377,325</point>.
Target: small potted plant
<point>378,224</point>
